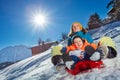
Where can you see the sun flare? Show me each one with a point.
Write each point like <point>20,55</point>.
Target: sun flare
<point>39,20</point>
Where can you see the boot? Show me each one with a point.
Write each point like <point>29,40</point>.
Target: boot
<point>100,53</point>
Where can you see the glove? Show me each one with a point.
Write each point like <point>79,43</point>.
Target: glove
<point>76,53</point>
<point>63,50</point>
<point>89,50</point>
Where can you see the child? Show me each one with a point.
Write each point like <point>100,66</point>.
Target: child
<point>70,55</point>
<point>79,50</point>
<point>82,50</point>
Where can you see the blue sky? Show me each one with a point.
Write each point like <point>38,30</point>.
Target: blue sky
<point>16,27</point>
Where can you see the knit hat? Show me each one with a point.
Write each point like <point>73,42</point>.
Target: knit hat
<point>80,26</point>
<point>75,36</point>
<point>71,31</point>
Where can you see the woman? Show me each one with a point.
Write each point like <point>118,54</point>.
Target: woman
<point>77,29</point>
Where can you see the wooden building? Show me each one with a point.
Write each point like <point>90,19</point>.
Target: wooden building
<point>41,48</point>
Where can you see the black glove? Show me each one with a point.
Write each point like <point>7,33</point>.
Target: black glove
<point>89,50</point>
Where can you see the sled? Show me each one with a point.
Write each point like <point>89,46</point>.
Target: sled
<point>85,66</point>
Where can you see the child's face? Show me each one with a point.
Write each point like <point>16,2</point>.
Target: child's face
<point>75,28</point>
<point>78,43</point>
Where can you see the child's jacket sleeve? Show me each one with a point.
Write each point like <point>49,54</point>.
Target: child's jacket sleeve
<point>93,45</point>
<point>70,48</point>
<point>86,43</point>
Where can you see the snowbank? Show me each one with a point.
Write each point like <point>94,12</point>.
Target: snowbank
<point>15,53</point>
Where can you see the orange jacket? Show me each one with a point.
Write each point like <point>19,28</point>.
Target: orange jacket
<point>86,43</point>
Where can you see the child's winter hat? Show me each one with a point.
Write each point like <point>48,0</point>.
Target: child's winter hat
<point>75,36</point>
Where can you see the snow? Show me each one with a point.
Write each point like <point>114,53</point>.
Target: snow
<point>39,67</point>
<point>14,53</point>
<point>112,30</point>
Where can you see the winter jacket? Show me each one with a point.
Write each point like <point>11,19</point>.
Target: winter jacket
<point>82,35</point>
<point>86,43</point>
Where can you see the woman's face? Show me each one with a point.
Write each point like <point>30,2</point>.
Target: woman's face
<point>78,43</point>
<point>75,28</point>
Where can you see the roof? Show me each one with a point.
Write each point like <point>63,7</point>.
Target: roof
<point>41,48</point>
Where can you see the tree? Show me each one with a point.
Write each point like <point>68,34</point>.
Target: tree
<point>48,40</point>
<point>114,12</point>
<point>118,16</point>
<point>110,3</point>
<point>64,36</point>
<point>94,21</point>
<point>114,3</point>
<point>39,41</point>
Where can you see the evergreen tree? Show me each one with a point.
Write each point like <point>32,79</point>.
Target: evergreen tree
<point>114,13</point>
<point>39,41</point>
<point>94,21</point>
<point>64,36</point>
<point>118,16</point>
<point>48,40</point>
<point>110,3</point>
<point>114,3</point>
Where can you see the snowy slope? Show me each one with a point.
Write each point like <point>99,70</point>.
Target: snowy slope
<point>39,67</point>
<point>14,53</point>
<point>112,30</point>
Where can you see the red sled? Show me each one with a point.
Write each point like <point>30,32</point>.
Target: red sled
<point>85,65</point>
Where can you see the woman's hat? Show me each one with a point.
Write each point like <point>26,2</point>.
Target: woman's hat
<point>81,27</point>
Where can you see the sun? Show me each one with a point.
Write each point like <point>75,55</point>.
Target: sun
<point>39,20</point>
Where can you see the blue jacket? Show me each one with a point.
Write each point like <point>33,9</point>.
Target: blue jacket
<point>82,35</point>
